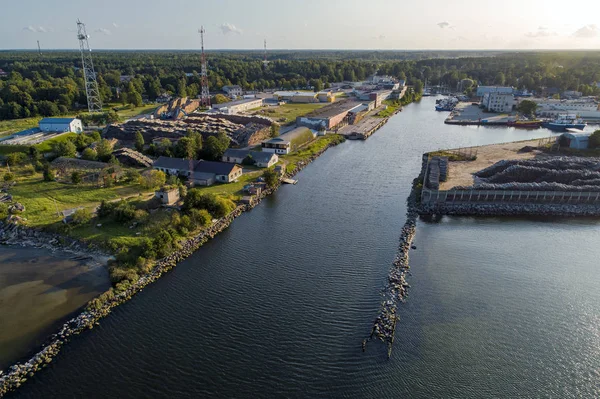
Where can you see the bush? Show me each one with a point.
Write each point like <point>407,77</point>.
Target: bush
<point>594,139</point>
<point>216,206</point>
<point>124,212</point>
<point>9,176</point>
<point>16,158</point>
<point>270,177</point>
<point>82,216</point>
<point>132,175</point>
<point>106,209</point>
<point>89,154</point>
<point>28,170</point>
<point>200,217</point>
<point>153,179</point>
<point>76,177</point>
<point>49,174</point>
<point>3,211</point>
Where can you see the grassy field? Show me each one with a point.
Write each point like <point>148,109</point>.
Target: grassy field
<point>46,146</point>
<point>16,125</point>
<point>292,159</point>
<point>290,111</point>
<point>127,112</point>
<point>392,106</point>
<point>43,199</point>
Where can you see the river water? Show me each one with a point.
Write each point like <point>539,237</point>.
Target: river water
<point>39,290</point>
<point>278,304</point>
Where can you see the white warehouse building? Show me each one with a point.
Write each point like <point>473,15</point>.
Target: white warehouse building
<point>498,102</point>
<point>61,125</point>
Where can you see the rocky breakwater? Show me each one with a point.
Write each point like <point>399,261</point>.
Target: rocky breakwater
<point>516,209</point>
<point>396,288</point>
<point>14,234</point>
<point>101,307</point>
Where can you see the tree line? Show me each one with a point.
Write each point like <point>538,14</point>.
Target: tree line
<point>52,84</point>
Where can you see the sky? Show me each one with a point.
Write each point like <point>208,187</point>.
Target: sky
<point>303,24</point>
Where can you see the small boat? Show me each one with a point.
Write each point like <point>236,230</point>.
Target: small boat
<point>564,122</point>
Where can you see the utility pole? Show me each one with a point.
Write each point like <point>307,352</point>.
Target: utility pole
<point>265,61</point>
<point>89,75</point>
<point>204,94</point>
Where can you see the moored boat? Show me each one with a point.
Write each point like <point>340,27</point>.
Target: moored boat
<point>564,122</point>
<point>524,124</point>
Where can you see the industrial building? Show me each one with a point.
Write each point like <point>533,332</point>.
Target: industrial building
<point>61,125</point>
<point>378,96</point>
<point>289,142</point>
<point>328,117</point>
<point>233,91</point>
<point>482,90</point>
<point>586,108</point>
<point>235,107</point>
<point>48,128</point>
<point>498,102</point>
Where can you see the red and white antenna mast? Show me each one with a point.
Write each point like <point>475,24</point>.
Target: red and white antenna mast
<point>204,93</point>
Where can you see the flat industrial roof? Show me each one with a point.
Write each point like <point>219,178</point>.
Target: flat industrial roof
<point>334,109</point>
<point>237,102</point>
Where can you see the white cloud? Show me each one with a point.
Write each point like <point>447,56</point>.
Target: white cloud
<point>114,24</point>
<point>104,31</point>
<point>587,32</point>
<point>380,37</point>
<point>443,24</point>
<point>37,29</point>
<point>228,28</point>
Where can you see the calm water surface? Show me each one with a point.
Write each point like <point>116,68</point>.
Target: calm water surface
<point>277,305</point>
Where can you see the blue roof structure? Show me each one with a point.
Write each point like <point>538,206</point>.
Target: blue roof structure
<point>57,120</point>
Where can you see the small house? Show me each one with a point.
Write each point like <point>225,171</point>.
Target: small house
<point>260,159</point>
<point>168,196</point>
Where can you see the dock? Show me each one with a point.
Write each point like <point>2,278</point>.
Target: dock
<point>289,181</point>
<point>363,129</point>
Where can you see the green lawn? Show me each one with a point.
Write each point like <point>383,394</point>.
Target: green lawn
<point>42,199</point>
<point>16,125</point>
<point>306,152</point>
<point>290,111</point>
<point>46,146</point>
<point>232,190</point>
<point>126,112</point>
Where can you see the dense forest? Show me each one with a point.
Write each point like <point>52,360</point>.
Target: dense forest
<point>52,83</point>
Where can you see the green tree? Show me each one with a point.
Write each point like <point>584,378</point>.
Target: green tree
<point>220,99</point>
<point>139,141</point>
<point>49,174</point>
<point>527,107</point>
<point>76,177</point>
<point>274,130</point>
<point>270,177</point>
<point>89,154</point>
<point>594,141</point>
<point>64,149</point>
<point>216,206</point>
<point>16,158</point>
<point>153,179</point>
<point>104,150</point>
<point>216,146</point>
